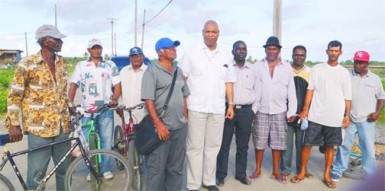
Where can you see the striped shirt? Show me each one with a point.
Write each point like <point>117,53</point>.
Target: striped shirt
<point>246,86</point>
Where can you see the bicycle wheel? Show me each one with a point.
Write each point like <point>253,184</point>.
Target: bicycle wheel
<point>5,184</point>
<point>77,172</point>
<point>134,160</point>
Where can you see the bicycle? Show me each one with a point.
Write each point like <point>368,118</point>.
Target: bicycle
<point>77,171</point>
<point>125,144</point>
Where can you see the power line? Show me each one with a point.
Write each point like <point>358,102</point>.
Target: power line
<point>158,13</point>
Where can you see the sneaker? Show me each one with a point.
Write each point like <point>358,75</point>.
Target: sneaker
<point>108,175</point>
<point>88,177</point>
<point>335,177</point>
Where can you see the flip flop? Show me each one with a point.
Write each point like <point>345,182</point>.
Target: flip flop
<point>254,176</point>
<point>330,183</point>
<point>279,178</point>
<point>285,175</point>
<point>296,179</point>
<point>308,175</point>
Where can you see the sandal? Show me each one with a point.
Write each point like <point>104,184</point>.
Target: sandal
<point>330,183</point>
<point>308,175</point>
<point>254,176</point>
<point>285,175</point>
<point>296,179</point>
<point>280,179</point>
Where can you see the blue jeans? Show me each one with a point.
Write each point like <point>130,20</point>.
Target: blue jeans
<point>293,132</point>
<point>366,135</point>
<point>104,124</point>
<point>38,160</point>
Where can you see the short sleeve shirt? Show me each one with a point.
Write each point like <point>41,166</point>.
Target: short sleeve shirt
<point>95,82</point>
<point>156,84</point>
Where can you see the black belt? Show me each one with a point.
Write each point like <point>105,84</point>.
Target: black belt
<point>237,106</point>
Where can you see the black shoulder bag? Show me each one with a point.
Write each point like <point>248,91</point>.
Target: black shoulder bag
<point>147,139</point>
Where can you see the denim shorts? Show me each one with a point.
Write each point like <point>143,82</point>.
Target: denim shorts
<point>317,135</point>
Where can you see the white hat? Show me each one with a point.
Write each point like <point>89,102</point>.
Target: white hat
<point>49,30</point>
<point>94,42</point>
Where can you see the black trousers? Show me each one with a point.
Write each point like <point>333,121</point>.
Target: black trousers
<point>241,126</point>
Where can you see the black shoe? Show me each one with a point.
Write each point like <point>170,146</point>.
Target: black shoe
<point>220,181</point>
<point>211,188</point>
<point>244,181</point>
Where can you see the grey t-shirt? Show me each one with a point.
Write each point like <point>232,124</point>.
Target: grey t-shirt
<point>156,84</point>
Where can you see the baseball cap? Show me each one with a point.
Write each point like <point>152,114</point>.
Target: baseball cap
<point>361,56</point>
<point>272,41</point>
<point>94,42</point>
<point>49,30</point>
<point>136,51</point>
<point>165,43</point>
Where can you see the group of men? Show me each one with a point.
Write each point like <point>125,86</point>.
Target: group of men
<point>213,98</point>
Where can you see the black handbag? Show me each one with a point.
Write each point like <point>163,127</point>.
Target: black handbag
<point>147,139</point>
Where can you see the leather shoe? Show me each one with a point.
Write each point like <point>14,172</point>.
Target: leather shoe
<point>211,188</point>
<point>220,181</point>
<point>244,181</point>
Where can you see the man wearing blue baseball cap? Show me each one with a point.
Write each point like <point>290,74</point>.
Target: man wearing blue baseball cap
<point>165,163</point>
<point>131,80</point>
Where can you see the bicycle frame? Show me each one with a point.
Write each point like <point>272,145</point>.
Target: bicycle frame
<point>9,157</point>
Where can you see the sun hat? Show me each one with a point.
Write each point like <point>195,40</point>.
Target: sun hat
<point>49,30</point>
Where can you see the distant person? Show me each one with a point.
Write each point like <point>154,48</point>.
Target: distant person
<point>294,132</point>
<point>210,78</point>
<point>165,163</point>
<point>327,107</point>
<point>277,107</point>
<point>131,82</point>
<point>367,103</point>
<point>245,105</point>
<point>38,96</point>
<point>99,82</point>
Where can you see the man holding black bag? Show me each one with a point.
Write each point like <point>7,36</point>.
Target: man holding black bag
<point>164,91</point>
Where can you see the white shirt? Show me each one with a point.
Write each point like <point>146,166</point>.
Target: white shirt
<point>277,93</point>
<point>95,83</point>
<point>332,86</point>
<point>207,72</point>
<point>366,91</point>
<point>131,91</point>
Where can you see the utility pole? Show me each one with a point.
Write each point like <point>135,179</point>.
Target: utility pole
<point>143,24</point>
<point>26,44</point>
<point>112,19</point>
<point>136,22</point>
<point>277,19</point>
<point>115,44</point>
<point>55,16</point>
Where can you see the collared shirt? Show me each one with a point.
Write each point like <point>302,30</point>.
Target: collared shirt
<point>366,90</point>
<point>42,101</point>
<point>277,93</point>
<point>247,85</point>
<point>207,73</point>
<point>332,86</point>
<point>131,90</point>
<point>95,82</point>
<point>156,85</point>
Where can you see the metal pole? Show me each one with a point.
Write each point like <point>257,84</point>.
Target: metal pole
<point>55,16</point>
<point>136,21</point>
<point>112,34</point>
<point>115,44</point>
<point>26,44</point>
<point>143,24</point>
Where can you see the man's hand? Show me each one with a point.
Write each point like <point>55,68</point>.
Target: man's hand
<point>162,129</point>
<point>291,119</point>
<point>373,116</point>
<point>230,112</point>
<point>120,112</point>
<point>346,121</point>
<point>303,115</point>
<point>113,103</point>
<point>15,134</point>
<point>72,110</point>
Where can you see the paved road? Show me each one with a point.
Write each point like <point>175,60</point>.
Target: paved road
<point>316,165</point>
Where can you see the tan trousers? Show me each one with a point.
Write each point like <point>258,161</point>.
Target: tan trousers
<point>204,140</point>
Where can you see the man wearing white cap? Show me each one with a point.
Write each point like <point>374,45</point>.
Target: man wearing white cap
<point>367,102</point>
<point>96,78</point>
<point>38,96</point>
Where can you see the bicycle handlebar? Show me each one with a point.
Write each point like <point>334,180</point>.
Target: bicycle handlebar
<point>125,108</point>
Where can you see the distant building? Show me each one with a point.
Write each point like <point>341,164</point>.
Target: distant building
<point>9,56</point>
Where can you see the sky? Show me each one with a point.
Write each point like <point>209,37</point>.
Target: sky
<point>312,23</point>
